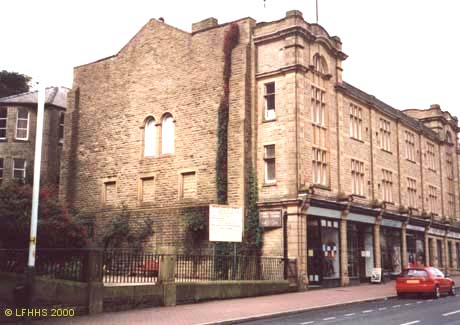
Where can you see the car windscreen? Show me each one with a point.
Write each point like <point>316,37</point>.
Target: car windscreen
<point>414,273</point>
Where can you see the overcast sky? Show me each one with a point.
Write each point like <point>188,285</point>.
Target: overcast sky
<point>404,52</point>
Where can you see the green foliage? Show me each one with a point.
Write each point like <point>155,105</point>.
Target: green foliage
<point>125,231</point>
<point>57,228</point>
<point>12,83</point>
<point>253,232</point>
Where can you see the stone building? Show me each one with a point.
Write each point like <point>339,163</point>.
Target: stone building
<point>361,183</point>
<point>18,120</point>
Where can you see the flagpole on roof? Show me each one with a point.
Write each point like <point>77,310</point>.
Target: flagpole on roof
<point>316,11</point>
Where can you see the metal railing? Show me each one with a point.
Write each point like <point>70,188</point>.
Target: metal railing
<point>66,264</point>
<point>191,268</point>
<point>126,266</point>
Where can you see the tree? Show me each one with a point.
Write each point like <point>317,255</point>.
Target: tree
<point>57,228</point>
<point>12,83</point>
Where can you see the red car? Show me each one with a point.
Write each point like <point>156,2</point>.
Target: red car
<point>424,280</point>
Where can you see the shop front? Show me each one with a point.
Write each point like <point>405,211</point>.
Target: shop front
<point>323,251</point>
<point>360,247</point>
<point>391,247</point>
<point>415,239</point>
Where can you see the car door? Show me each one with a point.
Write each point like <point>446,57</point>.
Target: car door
<point>443,281</point>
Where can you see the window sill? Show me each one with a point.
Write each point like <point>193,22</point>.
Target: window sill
<point>268,184</point>
<point>387,151</point>
<point>389,203</point>
<point>432,170</point>
<point>359,196</point>
<point>356,139</point>
<point>411,161</point>
<point>322,187</point>
<point>21,140</point>
<point>3,140</point>
<point>269,120</point>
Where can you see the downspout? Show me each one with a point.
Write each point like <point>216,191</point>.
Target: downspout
<point>399,162</point>
<point>421,172</point>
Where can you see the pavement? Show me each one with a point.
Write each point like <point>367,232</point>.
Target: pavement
<point>234,311</point>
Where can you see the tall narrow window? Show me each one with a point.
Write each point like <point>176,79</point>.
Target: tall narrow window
<point>432,198</point>
<point>450,165</point>
<point>385,135</point>
<point>61,125</point>
<point>410,146</point>
<point>3,121</point>
<point>270,163</point>
<point>188,185</point>
<point>412,192</point>
<point>147,189</point>
<point>149,138</point>
<point>22,124</point>
<point>270,113</point>
<point>431,156</point>
<point>318,106</point>
<point>387,184</point>
<point>357,177</point>
<point>319,165</point>
<point>109,193</point>
<point>1,170</point>
<point>356,122</point>
<point>167,135</point>
<point>19,168</point>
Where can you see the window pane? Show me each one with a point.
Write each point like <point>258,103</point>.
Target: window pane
<point>2,124</point>
<point>22,113</point>
<point>270,151</point>
<point>167,136</point>
<point>2,133</point>
<point>22,134</point>
<point>270,102</point>
<point>271,174</point>
<point>3,112</point>
<point>270,88</point>
<point>149,138</point>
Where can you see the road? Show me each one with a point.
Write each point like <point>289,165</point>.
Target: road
<point>408,311</point>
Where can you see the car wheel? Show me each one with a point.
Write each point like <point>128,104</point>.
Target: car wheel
<point>452,291</point>
<point>400,295</point>
<point>437,292</point>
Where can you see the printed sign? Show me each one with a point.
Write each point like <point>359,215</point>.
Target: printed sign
<point>376,276</point>
<point>452,234</point>
<point>416,228</point>
<point>225,223</point>
<point>439,232</point>
<point>270,218</point>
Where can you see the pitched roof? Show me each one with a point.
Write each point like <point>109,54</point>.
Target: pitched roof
<point>56,96</point>
<point>387,109</point>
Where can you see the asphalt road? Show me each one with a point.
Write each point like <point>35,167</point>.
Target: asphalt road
<point>408,311</point>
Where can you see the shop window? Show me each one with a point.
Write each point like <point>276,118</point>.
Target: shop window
<point>439,252</point>
<point>3,122</point>
<point>415,248</point>
<point>431,252</point>
<point>450,261</point>
<point>270,107</point>
<point>270,163</point>
<point>1,170</point>
<point>390,246</point>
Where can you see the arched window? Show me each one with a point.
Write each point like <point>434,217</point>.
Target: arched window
<point>320,63</point>
<point>167,134</point>
<point>149,137</point>
<point>449,138</point>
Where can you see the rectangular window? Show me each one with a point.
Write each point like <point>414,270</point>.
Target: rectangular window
<point>356,122</point>
<point>431,156</point>
<point>22,124</point>
<point>319,165</point>
<point>412,192</point>
<point>110,193</point>
<point>410,146</point>
<point>387,185</point>
<point>450,204</point>
<point>450,165</point>
<point>357,177</point>
<point>147,189</point>
<point>61,125</point>
<point>19,168</point>
<point>318,106</point>
<point>385,135</point>
<point>270,106</point>
<point>3,121</point>
<point>432,198</point>
<point>270,163</point>
<point>188,185</point>
<point>1,170</point>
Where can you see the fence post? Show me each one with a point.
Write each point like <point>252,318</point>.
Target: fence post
<point>93,278</point>
<point>167,277</point>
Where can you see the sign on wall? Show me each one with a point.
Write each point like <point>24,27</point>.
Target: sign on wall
<point>225,223</point>
<point>270,218</point>
<point>435,231</point>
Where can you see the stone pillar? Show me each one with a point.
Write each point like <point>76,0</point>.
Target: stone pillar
<point>297,242</point>
<point>344,279</point>
<point>93,270</point>
<point>427,249</point>
<point>454,257</point>
<point>166,278</point>
<point>445,254</point>
<point>435,257</point>
<point>377,252</point>
<point>404,260</point>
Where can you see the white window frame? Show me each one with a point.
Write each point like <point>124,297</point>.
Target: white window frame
<point>269,159</point>
<point>17,122</point>
<point>269,114</point>
<point>6,122</point>
<point>167,135</point>
<point>320,166</point>
<point>150,137</point>
<point>23,169</point>
<point>412,192</point>
<point>357,177</point>
<point>387,185</point>
<point>356,122</point>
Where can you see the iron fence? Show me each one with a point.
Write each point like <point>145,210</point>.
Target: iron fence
<point>66,264</point>
<point>191,268</point>
<point>126,266</point>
